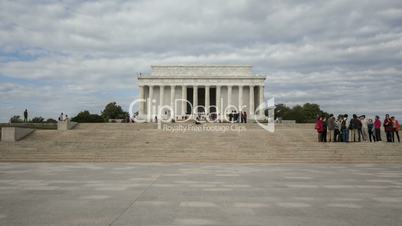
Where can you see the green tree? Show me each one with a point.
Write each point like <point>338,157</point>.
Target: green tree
<point>296,113</point>
<point>281,110</point>
<point>306,113</point>
<point>50,120</point>
<point>113,111</point>
<point>15,119</point>
<point>85,116</point>
<point>37,120</point>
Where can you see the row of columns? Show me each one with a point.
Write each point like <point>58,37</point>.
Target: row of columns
<point>207,97</point>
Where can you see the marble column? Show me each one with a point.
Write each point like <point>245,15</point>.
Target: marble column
<point>184,97</point>
<point>195,99</point>
<point>151,97</point>
<point>218,99</point>
<point>161,91</point>
<point>206,99</point>
<point>172,104</point>
<point>240,97</point>
<point>159,110</point>
<point>251,106</point>
<point>261,97</point>
<point>141,107</point>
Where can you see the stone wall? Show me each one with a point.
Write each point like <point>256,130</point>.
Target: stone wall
<point>202,70</point>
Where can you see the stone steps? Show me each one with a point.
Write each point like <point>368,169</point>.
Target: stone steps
<point>144,143</point>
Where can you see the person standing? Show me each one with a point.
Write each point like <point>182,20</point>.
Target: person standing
<point>331,128</point>
<point>353,126</point>
<point>359,128</point>
<point>397,127</point>
<point>324,133</point>
<point>345,128</point>
<point>377,128</point>
<point>319,126</point>
<point>370,130</point>
<point>245,117</point>
<point>26,115</point>
<point>388,127</point>
<point>364,130</point>
<point>338,130</point>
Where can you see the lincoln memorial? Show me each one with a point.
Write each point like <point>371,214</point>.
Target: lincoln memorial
<point>200,90</point>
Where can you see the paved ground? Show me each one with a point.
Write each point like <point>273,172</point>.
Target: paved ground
<point>199,194</point>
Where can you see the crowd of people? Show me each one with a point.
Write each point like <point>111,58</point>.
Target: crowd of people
<point>356,129</point>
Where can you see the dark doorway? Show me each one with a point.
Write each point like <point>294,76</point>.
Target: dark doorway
<point>201,99</point>
<point>212,100</point>
<point>190,100</point>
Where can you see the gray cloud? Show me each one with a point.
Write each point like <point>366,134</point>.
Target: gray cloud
<point>341,54</point>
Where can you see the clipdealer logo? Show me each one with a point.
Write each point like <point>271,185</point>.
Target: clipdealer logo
<point>264,116</point>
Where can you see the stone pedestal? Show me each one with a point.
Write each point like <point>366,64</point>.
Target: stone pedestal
<point>66,125</point>
<point>13,134</point>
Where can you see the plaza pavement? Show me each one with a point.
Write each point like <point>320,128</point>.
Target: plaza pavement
<point>200,194</point>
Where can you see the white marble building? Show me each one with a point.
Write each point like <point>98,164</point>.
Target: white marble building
<point>215,89</point>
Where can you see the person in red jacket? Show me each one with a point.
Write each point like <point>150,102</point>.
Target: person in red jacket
<point>377,128</point>
<point>319,126</point>
<point>397,127</point>
<point>388,127</point>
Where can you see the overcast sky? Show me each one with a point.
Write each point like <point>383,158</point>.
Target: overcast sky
<point>67,56</point>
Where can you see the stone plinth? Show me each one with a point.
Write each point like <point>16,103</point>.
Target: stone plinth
<point>14,133</point>
<point>66,125</point>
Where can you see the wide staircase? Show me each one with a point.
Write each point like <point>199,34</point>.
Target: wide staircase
<point>117,142</point>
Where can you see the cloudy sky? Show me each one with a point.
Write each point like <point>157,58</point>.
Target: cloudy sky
<point>73,55</point>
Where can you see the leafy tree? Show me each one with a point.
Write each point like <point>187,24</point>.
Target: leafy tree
<point>15,119</point>
<point>311,110</point>
<point>306,113</point>
<point>50,120</point>
<point>281,110</point>
<point>85,116</point>
<point>113,111</point>
<point>37,120</point>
